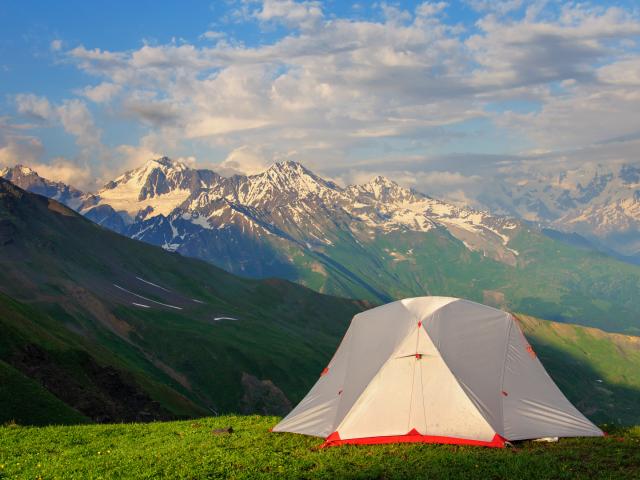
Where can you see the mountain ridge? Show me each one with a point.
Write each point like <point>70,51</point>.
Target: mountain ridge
<point>599,202</point>
<point>377,241</point>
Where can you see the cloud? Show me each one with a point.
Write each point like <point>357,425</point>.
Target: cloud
<point>304,15</point>
<point>55,45</point>
<point>102,93</point>
<point>19,150</point>
<point>78,121</point>
<point>212,35</point>
<point>602,111</point>
<point>245,160</point>
<point>342,93</point>
<point>500,7</point>
<point>63,170</point>
<point>34,107</point>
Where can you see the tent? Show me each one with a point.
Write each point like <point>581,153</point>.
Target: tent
<point>438,370</point>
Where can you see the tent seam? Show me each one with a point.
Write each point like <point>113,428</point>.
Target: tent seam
<point>504,365</point>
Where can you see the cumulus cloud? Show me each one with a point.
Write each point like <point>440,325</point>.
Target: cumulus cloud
<point>338,93</point>
<point>101,93</point>
<point>19,150</point>
<point>245,160</point>
<point>305,15</point>
<point>18,147</point>
<point>78,121</point>
<point>34,107</point>
<point>212,35</point>
<point>60,169</point>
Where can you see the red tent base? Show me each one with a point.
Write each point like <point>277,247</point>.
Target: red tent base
<point>412,437</point>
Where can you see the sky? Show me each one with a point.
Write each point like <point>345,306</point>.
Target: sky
<point>438,95</point>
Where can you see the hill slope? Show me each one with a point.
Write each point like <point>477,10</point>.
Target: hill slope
<point>121,330</point>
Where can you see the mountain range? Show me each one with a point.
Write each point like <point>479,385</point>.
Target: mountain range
<point>97,327</point>
<point>598,202</point>
<point>376,241</point>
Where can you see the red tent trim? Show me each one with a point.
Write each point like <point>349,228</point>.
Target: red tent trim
<point>411,437</point>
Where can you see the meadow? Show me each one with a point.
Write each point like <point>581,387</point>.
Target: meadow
<point>197,449</point>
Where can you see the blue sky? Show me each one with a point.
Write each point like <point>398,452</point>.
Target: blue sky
<point>350,89</point>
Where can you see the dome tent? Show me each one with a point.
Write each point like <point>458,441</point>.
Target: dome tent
<point>439,370</point>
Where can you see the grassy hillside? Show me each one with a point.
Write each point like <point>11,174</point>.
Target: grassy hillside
<point>121,330</point>
<point>191,449</point>
<point>548,279</point>
<point>598,371</point>
<point>26,402</point>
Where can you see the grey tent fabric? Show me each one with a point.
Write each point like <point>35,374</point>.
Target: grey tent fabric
<point>435,369</point>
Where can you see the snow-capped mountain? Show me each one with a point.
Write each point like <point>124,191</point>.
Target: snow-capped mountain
<point>282,220</point>
<point>28,179</point>
<point>599,202</point>
<point>374,241</point>
<point>167,203</point>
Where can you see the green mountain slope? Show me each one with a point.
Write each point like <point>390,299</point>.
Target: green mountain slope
<point>120,330</point>
<point>549,279</point>
<point>25,401</point>
<point>598,371</point>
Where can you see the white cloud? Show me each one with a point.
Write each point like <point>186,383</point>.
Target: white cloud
<point>500,7</point>
<point>602,111</point>
<point>212,35</point>
<point>34,107</point>
<point>55,45</point>
<point>19,150</point>
<point>294,14</point>
<point>334,90</point>
<point>245,160</point>
<point>429,9</point>
<point>101,93</point>
<point>78,121</point>
<point>63,170</point>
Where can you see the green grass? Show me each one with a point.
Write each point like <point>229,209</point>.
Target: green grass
<point>65,324</point>
<point>26,401</point>
<point>189,449</point>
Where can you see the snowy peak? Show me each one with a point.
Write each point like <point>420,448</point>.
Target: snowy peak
<point>384,190</point>
<point>291,174</point>
<point>156,188</point>
<point>281,183</point>
<point>18,171</point>
<point>156,168</point>
<point>28,179</point>
<point>600,202</point>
